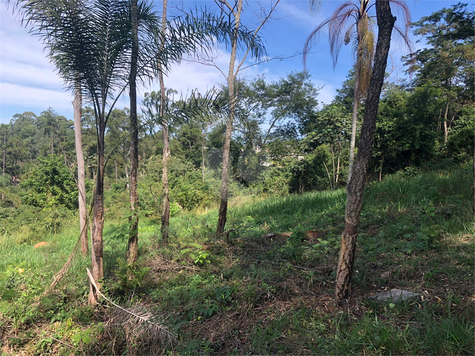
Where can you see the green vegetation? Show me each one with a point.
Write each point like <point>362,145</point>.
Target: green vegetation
<point>266,284</point>
<point>269,290</point>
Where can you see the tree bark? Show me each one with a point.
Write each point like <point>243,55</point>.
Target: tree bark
<point>354,123</point>
<point>356,184</point>
<point>446,128</point>
<point>77,104</point>
<point>223,207</point>
<point>203,153</point>
<point>166,146</point>
<point>132,247</point>
<point>98,219</point>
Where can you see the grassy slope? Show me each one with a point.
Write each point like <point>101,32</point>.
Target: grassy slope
<point>269,289</point>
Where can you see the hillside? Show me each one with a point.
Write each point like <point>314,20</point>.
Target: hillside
<point>265,288</point>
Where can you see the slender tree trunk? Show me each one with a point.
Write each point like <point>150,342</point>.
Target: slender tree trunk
<point>166,146</point>
<point>446,128</point>
<point>77,104</point>
<point>354,123</point>
<point>334,173</point>
<point>338,167</point>
<point>330,180</point>
<point>356,184</point>
<point>116,172</point>
<point>98,216</point>
<point>132,247</point>
<point>4,151</point>
<point>223,208</point>
<point>203,153</point>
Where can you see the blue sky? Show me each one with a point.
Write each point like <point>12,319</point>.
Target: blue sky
<point>28,82</point>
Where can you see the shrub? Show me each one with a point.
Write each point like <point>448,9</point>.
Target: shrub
<point>50,184</point>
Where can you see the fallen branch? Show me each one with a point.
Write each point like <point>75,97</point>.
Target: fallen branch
<point>227,232</point>
<point>140,326</point>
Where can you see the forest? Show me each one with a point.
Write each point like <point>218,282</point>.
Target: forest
<point>233,221</point>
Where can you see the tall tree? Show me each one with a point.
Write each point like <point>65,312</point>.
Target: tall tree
<point>352,21</point>
<point>165,222</point>
<point>331,129</point>
<point>233,10</point>
<point>89,39</point>
<point>81,181</point>
<point>196,33</point>
<point>3,136</point>
<point>355,186</point>
<point>293,99</point>
<point>447,62</point>
<point>132,246</point>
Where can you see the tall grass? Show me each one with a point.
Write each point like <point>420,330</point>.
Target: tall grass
<point>268,289</point>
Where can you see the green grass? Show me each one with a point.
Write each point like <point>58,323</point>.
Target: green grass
<point>269,289</point>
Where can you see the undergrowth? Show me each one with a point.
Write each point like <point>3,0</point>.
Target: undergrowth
<point>268,288</point>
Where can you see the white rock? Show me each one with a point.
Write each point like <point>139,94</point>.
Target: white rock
<point>395,295</point>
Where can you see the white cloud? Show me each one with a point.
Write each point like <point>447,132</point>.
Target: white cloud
<point>29,74</point>
<point>327,92</point>
<point>300,15</point>
<point>27,79</point>
<point>14,94</point>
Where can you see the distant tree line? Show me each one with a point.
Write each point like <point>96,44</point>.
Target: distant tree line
<point>283,140</point>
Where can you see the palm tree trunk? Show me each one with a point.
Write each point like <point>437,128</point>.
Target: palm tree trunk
<point>203,153</point>
<point>166,189</point>
<point>354,123</point>
<point>98,217</point>
<point>356,184</point>
<point>223,208</point>
<point>166,146</point>
<point>77,104</point>
<point>132,247</point>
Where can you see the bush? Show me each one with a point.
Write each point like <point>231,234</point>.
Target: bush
<point>274,182</point>
<point>50,184</point>
<point>187,187</point>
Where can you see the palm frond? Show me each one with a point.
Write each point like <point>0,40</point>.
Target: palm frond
<point>364,62</point>
<point>338,29</point>
<point>221,28</point>
<point>144,331</point>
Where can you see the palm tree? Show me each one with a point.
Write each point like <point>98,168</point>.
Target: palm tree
<point>165,221</point>
<point>355,186</point>
<point>88,41</point>
<point>233,11</point>
<point>77,104</point>
<point>351,21</point>
<point>132,246</point>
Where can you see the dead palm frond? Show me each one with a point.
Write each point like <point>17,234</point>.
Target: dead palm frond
<point>143,330</point>
<point>352,22</point>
